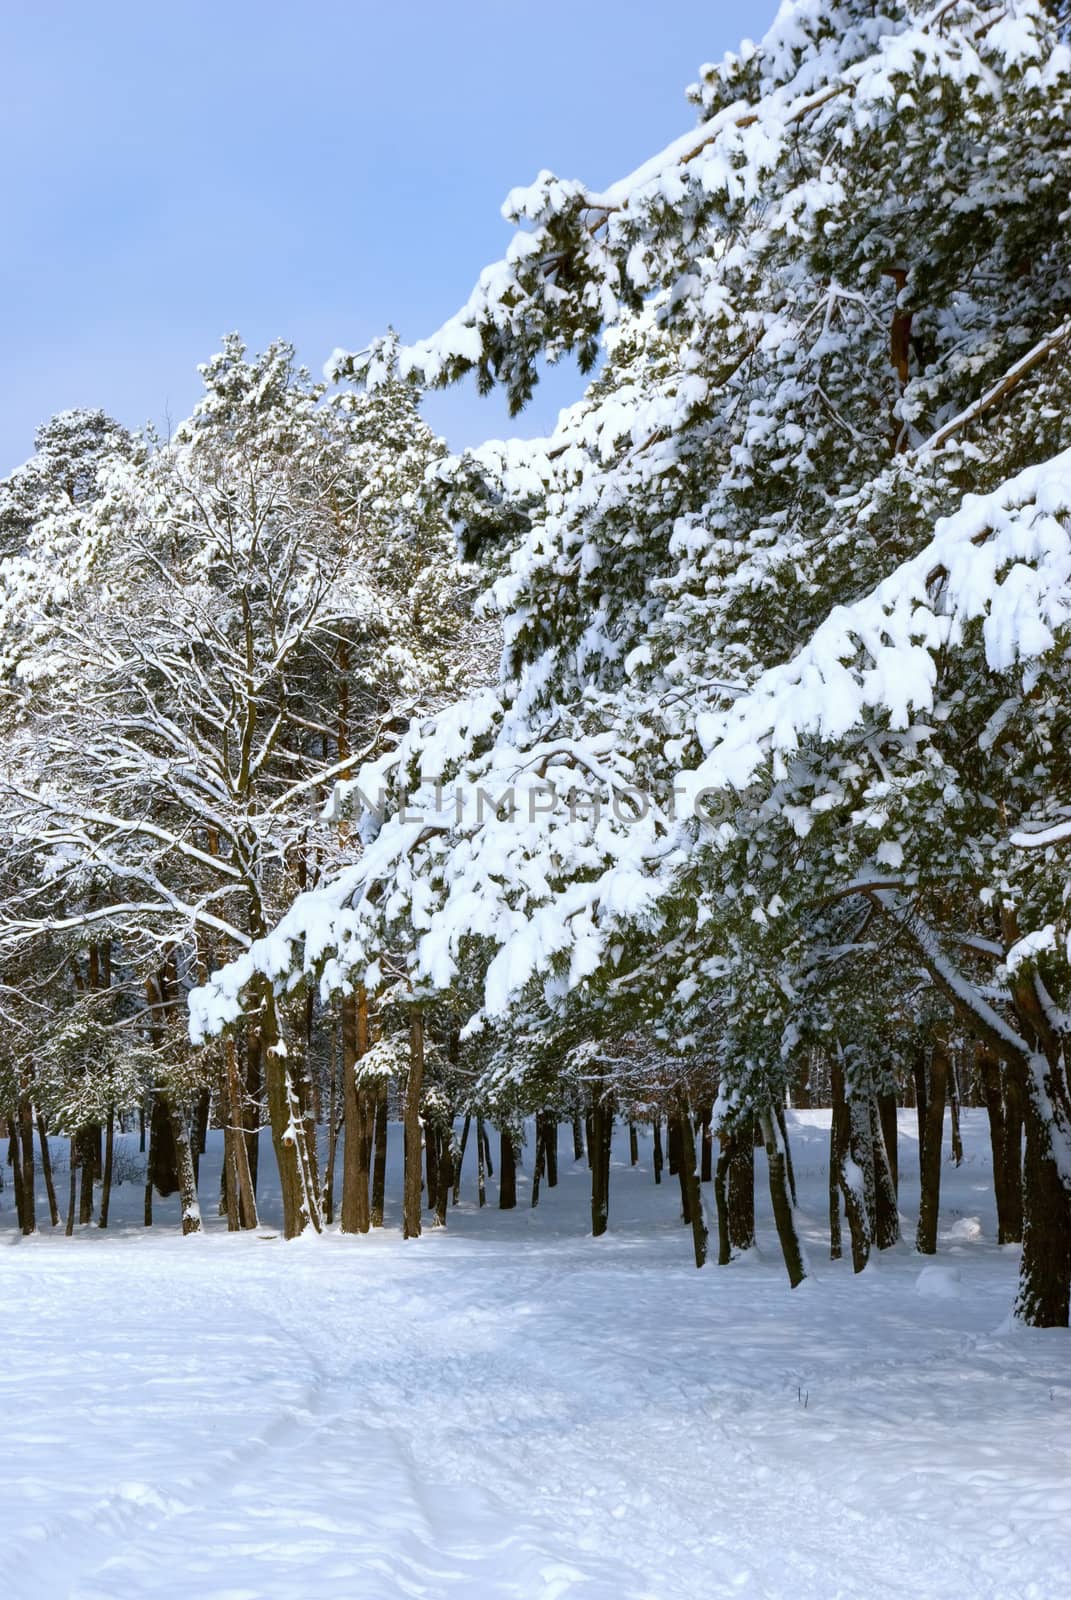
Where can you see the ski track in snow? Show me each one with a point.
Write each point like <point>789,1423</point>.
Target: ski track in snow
<point>514,1411</point>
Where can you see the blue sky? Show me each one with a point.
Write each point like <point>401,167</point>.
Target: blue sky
<point>170,173</point>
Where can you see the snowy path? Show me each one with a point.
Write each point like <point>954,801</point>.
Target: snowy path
<point>514,1410</point>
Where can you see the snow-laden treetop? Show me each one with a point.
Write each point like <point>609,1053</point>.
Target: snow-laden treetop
<point>821,480</point>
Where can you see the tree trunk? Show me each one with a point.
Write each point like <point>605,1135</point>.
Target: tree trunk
<point>835,1159</point>
<point>459,1157</point>
<point>1045,1264</point>
<point>109,1165</point>
<point>245,1194</point>
<point>481,1161</point>
<point>690,1182</point>
<point>444,1176</point>
<point>191,1209</point>
<point>540,1158</point>
<point>328,1202</point>
<point>741,1188</point>
<point>656,1155</point>
<point>953,1111</point>
<point>87,1142</point>
<point>379,1161</point>
<point>161,1168</point>
<point>29,1177</point>
<point>861,1146</point>
<point>507,1171</point>
<point>355,1214</point>
<point>782,1125</point>
<point>1004,1106</point>
<point>891,1134</point>
<point>578,1137</point>
<point>706,1170</point>
<point>72,1192</point>
<point>673,1144</point>
<point>887,1217</point>
<point>254,1091</point>
<point>930,1157</point>
<point>413,1184</point>
<point>289,1125</point>
<point>229,1197</point>
<point>679,1166</point>
<point>721,1201</point>
<point>14,1156</point>
<point>849,1176</point>
<point>147,1215</point>
<point>1012,1159</point>
<point>599,1149</point>
<point>550,1147</point>
<point>46,1168</point>
<point>783,1210</point>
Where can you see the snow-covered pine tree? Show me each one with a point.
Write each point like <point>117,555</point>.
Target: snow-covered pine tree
<point>261,599</point>
<point>829,313</point>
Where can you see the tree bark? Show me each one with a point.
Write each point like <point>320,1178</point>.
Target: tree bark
<point>481,1161</point>
<point>444,1176</point>
<point>849,1176</point>
<point>706,1169</point>
<point>328,1202</point>
<point>540,1160</point>
<point>550,1147</point>
<point>191,1209</point>
<point>459,1157</point>
<point>109,1165</point>
<point>14,1156</point>
<point>1045,1264</point>
<point>413,1185</point>
<point>953,1111</point>
<point>254,1090</point>
<point>355,1215</point>
<point>87,1142</point>
<point>245,1194</point>
<point>679,1165</point>
<point>783,1210</point>
<point>673,1145</point>
<point>890,1133</point>
<point>289,1126</point>
<point>835,1158</point>
<point>1003,1106</point>
<point>741,1188</point>
<point>72,1192</point>
<point>46,1168</point>
<point>930,1156</point>
<point>599,1149</point>
<point>656,1156</point>
<point>507,1171</point>
<point>886,1214</point>
<point>29,1177</point>
<point>379,1160</point>
<point>578,1137</point>
<point>782,1125</point>
<point>690,1182</point>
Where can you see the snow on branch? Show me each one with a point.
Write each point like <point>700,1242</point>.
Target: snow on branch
<point>1003,559</point>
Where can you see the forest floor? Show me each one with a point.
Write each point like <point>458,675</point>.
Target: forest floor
<point>512,1409</point>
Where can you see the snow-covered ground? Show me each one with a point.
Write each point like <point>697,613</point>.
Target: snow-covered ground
<point>511,1409</point>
